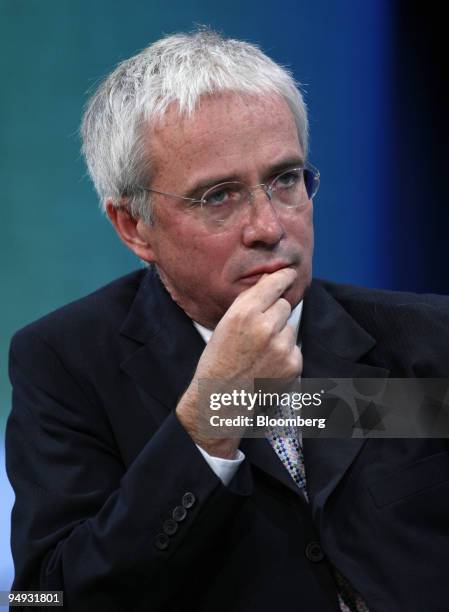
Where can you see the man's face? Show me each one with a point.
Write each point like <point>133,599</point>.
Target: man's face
<point>227,138</point>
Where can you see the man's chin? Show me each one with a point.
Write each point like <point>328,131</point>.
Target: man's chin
<point>295,294</point>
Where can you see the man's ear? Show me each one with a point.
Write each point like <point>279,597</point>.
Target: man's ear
<point>135,233</point>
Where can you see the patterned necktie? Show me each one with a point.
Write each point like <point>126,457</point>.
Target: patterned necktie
<point>289,451</point>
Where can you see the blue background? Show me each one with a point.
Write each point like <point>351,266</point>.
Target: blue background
<point>381,212</point>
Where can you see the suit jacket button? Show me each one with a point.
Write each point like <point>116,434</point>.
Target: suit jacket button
<point>170,527</point>
<point>179,513</point>
<point>188,499</point>
<point>314,552</point>
<point>161,541</point>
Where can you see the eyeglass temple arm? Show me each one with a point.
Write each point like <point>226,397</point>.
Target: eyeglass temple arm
<point>171,195</point>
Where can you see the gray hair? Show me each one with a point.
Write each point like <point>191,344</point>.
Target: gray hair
<point>179,68</point>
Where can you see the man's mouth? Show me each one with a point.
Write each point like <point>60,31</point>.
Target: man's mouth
<point>256,273</point>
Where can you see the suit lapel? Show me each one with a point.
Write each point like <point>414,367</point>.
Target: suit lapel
<point>166,346</point>
<point>333,345</point>
<point>262,455</point>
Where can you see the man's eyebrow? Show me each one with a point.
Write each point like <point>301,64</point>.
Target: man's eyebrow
<point>198,189</point>
<point>285,164</point>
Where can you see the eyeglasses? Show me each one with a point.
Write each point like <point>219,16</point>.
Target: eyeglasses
<point>221,205</point>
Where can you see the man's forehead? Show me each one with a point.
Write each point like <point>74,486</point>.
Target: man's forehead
<point>235,107</point>
<point>223,125</point>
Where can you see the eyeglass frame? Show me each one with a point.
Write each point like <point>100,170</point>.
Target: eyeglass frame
<point>266,187</point>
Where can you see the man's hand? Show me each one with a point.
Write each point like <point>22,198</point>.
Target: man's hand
<point>252,340</point>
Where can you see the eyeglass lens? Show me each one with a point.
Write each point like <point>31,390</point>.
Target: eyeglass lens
<point>222,204</point>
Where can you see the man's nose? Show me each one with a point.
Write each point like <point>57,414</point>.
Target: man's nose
<point>262,224</point>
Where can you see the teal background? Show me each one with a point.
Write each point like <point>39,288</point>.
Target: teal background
<point>55,244</point>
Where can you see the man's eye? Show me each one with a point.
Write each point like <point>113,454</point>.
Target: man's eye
<point>221,197</point>
<point>288,179</point>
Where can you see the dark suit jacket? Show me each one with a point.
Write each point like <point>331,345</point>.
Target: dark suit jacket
<point>99,462</point>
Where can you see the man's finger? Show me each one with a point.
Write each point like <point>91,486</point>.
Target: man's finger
<point>288,336</point>
<point>278,313</point>
<point>268,289</point>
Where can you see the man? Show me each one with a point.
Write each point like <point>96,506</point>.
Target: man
<point>198,149</point>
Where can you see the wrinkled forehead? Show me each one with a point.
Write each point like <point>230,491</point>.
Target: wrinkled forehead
<point>223,126</point>
<point>235,107</point>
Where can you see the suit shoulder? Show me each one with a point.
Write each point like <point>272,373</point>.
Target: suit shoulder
<point>408,327</point>
<point>352,296</point>
<point>103,308</point>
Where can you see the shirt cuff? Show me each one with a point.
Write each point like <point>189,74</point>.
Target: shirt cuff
<point>223,468</point>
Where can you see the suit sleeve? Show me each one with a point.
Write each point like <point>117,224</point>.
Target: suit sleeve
<point>110,537</point>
